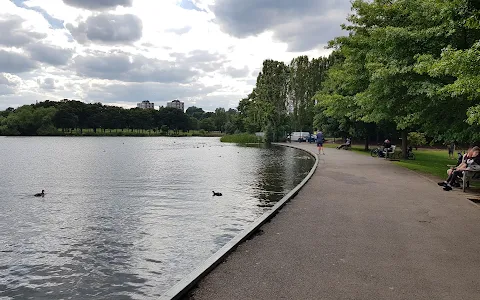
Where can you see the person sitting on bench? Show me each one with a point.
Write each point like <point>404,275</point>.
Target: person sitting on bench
<point>348,142</point>
<point>471,161</point>
<point>387,147</point>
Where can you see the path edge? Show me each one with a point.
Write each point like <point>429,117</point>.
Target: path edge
<point>188,282</point>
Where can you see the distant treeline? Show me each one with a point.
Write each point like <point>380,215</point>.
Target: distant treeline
<point>71,117</point>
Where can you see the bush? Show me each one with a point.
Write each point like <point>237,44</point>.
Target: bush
<point>230,128</point>
<point>243,138</point>
<point>416,139</point>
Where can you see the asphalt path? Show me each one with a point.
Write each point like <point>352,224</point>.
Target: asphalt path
<point>362,228</point>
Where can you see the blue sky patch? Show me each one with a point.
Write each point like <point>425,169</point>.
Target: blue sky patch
<point>55,23</point>
<point>189,5</point>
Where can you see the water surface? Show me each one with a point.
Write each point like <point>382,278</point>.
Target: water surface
<point>126,218</point>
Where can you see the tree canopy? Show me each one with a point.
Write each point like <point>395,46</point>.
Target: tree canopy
<point>48,117</point>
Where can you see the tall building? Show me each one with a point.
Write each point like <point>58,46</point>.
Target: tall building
<point>145,105</point>
<point>176,104</point>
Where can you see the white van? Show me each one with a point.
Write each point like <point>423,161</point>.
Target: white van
<point>299,136</point>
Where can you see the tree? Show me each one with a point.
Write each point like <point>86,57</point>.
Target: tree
<point>220,118</point>
<point>196,112</point>
<point>207,124</point>
<point>385,38</point>
<point>65,119</point>
<point>271,97</point>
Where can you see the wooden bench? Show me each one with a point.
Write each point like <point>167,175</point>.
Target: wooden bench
<point>469,176</point>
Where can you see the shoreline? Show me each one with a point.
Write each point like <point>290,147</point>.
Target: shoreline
<point>115,136</point>
<point>188,282</point>
<point>342,238</point>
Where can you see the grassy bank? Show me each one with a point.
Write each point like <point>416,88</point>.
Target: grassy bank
<point>243,138</point>
<point>135,133</point>
<point>432,162</point>
<point>427,161</point>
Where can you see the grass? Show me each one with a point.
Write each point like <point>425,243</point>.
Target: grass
<point>427,161</point>
<point>432,162</point>
<point>242,138</point>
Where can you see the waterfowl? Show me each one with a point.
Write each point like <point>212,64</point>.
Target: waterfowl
<point>40,194</point>
<point>216,194</point>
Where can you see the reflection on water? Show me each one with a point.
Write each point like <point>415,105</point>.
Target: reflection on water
<point>126,218</point>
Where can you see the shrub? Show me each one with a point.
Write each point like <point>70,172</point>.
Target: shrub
<point>417,139</point>
<point>243,138</point>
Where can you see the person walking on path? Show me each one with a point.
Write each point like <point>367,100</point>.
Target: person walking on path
<point>320,140</point>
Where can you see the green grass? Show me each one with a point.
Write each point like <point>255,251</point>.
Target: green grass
<point>427,161</point>
<point>432,162</point>
<point>243,138</point>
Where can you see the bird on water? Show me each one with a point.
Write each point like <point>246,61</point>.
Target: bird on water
<point>216,194</point>
<point>40,194</point>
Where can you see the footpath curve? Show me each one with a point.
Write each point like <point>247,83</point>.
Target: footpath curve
<point>187,283</point>
<point>361,228</point>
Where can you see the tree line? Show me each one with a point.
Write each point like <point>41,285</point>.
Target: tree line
<point>404,66</point>
<point>73,117</point>
<point>282,100</point>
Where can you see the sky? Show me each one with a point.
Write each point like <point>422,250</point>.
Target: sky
<point>206,53</point>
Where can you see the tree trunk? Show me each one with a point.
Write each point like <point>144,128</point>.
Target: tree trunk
<point>404,143</point>
<point>366,143</point>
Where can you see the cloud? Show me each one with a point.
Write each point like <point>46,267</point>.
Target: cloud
<point>13,62</point>
<point>6,86</point>
<point>237,73</point>
<point>201,60</point>
<point>132,68</point>
<point>108,29</point>
<point>50,54</point>
<point>14,34</point>
<point>98,4</point>
<point>47,83</point>
<point>159,93</point>
<point>4,80</point>
<point>308,33</point>
<point>289,20</point>
<point>55,23</point>
<point>180,31</point>
<point>6,90</point>
<point>204,52</point>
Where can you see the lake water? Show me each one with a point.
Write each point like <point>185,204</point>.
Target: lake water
<point>127,218</point>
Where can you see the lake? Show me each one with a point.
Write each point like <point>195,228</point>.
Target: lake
<point>127,217</point>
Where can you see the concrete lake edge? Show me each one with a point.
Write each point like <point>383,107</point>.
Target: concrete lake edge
<point>188,282</point>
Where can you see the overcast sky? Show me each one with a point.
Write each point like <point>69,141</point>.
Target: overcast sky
<point>206,53</point>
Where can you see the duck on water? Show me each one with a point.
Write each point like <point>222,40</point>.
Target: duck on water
<point>40,194</point>
<point>216,194</point>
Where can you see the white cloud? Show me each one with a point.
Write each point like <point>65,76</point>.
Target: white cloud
<point>176,48</point>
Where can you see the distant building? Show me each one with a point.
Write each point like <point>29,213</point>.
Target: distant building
<point>176,104</point>
<point>146,105</point>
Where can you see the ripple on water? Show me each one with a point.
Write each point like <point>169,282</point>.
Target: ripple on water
<point>130,222</point>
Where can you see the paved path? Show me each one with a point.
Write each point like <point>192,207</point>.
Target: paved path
<point>362,228</point>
